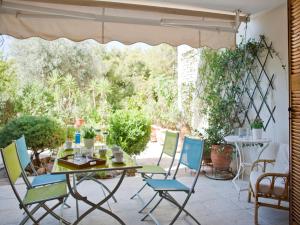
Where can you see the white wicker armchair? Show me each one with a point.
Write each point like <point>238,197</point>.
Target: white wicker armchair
<point>271,182</point>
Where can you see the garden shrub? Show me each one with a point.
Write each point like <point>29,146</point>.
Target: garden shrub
<point>40,132</point>
<point>129,129</point>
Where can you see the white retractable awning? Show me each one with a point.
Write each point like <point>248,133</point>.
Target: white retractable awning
<point>126,22</point>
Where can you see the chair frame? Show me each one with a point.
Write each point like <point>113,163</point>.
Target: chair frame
<point>164,194</point>
<point>40,204</point>
<point>166,174</point>
<point>25,177</point>
<point>270,195</point>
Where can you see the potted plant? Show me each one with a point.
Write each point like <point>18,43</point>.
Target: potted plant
<point>257,127</point>
<point>220,74</point>
<point>89,135</point>
<point>220,152</point>
<point>70,136</point>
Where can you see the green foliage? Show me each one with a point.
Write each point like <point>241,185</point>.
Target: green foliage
<point>62,55</point>
<point>129,129</point>
<point>40,132</point>
<point>257,124</point>
<point>8,90</point>
<point>68,80</point>
<point>89,133</point>
<point>221,73</point>
<point>35,100</point>
<point>70,132</point>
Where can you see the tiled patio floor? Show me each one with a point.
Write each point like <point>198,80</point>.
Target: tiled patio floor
<point>214,203</point>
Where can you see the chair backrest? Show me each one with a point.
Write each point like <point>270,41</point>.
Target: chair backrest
<point>22,152</point>
<point>170,143</point>
<point>282,159</point>
<point>191,153</point>
<point>11,163</point>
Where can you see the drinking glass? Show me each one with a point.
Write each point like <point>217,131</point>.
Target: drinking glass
<point>77,153</point>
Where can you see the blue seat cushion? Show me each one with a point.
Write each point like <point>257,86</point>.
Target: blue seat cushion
<point>166,185</point>
<point>47,179</point>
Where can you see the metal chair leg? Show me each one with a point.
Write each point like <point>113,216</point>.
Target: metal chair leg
<point>169,198</point>
<point>51,211</point>
<point>137,193</point>
<point>26,218</point>
<point>149,213</point>
<point>145,206</point>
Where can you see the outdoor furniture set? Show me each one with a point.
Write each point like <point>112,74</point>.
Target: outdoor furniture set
<point>58,185</point>
<point>271,182</point>
<point>269,178</point>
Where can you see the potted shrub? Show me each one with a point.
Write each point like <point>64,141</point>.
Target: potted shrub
<point>41,133</point>
<point>130,130</point>
<point>220,74</point>
<point>257,127</point>
<point>89,135</point>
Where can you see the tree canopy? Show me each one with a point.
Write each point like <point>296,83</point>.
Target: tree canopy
<point>68,80</point>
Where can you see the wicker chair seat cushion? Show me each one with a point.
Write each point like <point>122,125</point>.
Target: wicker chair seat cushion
<point>265,184</point>
<point>282,160</point>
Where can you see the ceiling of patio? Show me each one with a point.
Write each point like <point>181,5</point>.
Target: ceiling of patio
<point>246,6</point>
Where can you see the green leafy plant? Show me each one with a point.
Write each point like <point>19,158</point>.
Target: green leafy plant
<point>221,73</point>
<point>70,132</point>
<point>89,133</point>
<point>129,129</point>
<point>40,132</point>
<point>258,123</point>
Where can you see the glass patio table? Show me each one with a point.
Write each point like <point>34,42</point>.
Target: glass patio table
<point>68,170</point>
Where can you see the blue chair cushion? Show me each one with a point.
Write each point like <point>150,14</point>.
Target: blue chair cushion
<point>166,185</point>
<point>47,179</point>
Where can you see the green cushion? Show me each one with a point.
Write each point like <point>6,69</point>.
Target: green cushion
<point>45,193</point>
<point>151,169</point>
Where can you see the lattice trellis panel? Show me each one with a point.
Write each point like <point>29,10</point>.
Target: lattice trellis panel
<point>256,87</point>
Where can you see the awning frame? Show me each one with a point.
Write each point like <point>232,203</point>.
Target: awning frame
<point>22,10</point>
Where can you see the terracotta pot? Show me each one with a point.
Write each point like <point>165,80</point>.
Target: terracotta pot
<point>153,137</point>
<point>184,130</point>
<point>79,122</point>
<point>221,158</point>
<point>206,157</point>
<point>160,135</point>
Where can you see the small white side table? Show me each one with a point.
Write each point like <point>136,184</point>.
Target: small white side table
<point>258,144</point>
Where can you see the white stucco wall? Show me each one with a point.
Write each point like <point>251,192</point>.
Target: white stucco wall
<point>273,24</point>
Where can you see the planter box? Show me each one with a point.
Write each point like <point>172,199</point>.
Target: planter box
<point>88,143</point>
<point>257,133</point>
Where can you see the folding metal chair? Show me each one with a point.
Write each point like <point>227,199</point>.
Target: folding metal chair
<point>34,196</point>
<point>25,161</point>
<point>148,171</point>
<point>191,157</point>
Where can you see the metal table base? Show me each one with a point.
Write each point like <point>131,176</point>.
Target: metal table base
<point>94,206</point>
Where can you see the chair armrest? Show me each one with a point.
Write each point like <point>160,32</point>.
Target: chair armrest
<point>264,161</point>
<point>273,177</point>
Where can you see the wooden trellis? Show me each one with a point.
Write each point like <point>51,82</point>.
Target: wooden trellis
<point>253,99</point>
